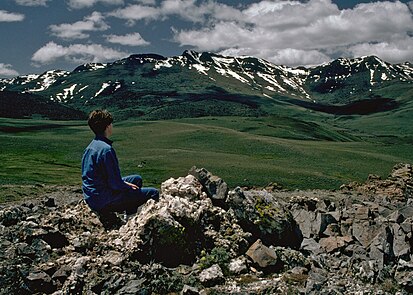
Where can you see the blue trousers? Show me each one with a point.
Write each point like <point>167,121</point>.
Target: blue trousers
<point>131,199</point>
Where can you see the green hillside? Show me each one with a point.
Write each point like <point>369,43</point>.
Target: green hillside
<point>242,118</point>
<point>244,151</point>
<point>153,87</point>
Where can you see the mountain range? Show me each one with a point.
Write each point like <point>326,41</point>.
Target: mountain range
<point>150,86</point>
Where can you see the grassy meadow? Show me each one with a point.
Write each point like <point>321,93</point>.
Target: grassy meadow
<point>243,151</point>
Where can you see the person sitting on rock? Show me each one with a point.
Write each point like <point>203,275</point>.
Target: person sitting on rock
<point>104,190</point>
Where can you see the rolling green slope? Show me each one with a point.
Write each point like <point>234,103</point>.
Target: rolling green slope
<point>244,119</point>
<point>243,151</point>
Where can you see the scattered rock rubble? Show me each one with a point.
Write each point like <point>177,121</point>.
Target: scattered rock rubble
<point>202,238</point>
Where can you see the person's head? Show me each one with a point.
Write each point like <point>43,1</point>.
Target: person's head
<point>99,120</point>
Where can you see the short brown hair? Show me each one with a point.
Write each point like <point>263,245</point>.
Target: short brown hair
<point>98,121</point>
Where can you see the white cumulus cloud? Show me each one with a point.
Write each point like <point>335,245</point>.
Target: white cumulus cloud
<point>288,14</point>
<point>297,57</point>
<point>396,51</point>
<point>79,4</point>
<point>6,70</point>
<point>190,10</point>
<point>134,39</point>
<point>78,30</point>
<point>75,53</point>
<point>133,13</point>
<point>32,2</point>
<point>287,56</point>
<point>290,32</point>
<point>6,16</point>
<point>187,9</point>
<point>298,32</point>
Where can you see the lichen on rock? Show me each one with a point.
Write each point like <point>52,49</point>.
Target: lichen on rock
<point>357,239</point>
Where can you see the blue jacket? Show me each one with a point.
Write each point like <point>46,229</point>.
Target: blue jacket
<point>101,177</point>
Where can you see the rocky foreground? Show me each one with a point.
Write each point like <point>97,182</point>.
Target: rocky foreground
<point>202,238</point>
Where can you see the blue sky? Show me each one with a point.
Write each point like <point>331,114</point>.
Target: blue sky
<point>39,35</point>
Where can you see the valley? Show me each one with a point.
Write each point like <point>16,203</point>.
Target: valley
<point>247,151</point>
<point>243,118</point>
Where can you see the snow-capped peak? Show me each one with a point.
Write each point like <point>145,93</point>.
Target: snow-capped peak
<point>45,80</point>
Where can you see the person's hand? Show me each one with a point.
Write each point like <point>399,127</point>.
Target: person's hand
<point>133,186</point>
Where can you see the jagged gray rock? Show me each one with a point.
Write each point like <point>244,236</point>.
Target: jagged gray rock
<point>238,266</point>
<point>212,276</point>
<point>188,290</point>
<point>357,239</point>
<point>262,215</point>
<point>186,187</point>
<point>215,187</point>
<point>262,255</point>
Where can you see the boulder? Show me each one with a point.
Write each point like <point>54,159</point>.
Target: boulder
<point>132,287</point>
<point>381,248</point>
<point>309,222</point>
<point>401,243</point>
<point>214,186</point>
<point>289,258</point>
<point>184,187</point>
<point>333,230</point>
<point>326,219</point>
<point>398,187</point>
<point>259,213</point>
<point>39,281</point>
<point>11,216</point>
<point>311,246</point>
<point>355,240</point>
<point>263,256</point>
<point>212,276</point>
<point>315,223</point>
<point>316,280</point>
<point>174,230</point>
<point>365,231</point>
<point>168,231</point>
<point>368,271</point>
<point>55,238</point>
<point>404,275</point>
<point>62,273</point>
<point>238,266</point>
<point>332,244</point>
<point>188,290</point>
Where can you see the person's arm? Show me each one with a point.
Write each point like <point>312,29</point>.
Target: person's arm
<point>133,186</point>
<point>115,181</point>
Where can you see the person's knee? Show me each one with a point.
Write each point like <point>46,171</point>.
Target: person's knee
<point>155,194</point>
<point>150,193</point>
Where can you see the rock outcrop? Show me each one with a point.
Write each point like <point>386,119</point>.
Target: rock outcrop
<point>203,238</point>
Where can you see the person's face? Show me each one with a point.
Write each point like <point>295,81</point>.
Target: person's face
<point>109,130</point>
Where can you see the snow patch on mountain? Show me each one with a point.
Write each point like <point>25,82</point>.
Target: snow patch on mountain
<point>242,74</point>
<point>230,73</point>
<point>83,88</point>
<point>200,68</point>
<point>47,79</point>
<point>20,80</point>
<point>372,77</point>
<point>96,66</point>
<point>118,85</point>
<point>163,64</point>
<point>297,72</point>
<point>66,94</point>
<point>104,86</point>
<point>223,66</point>
<point>29,78</point>
<point>270,79</point>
